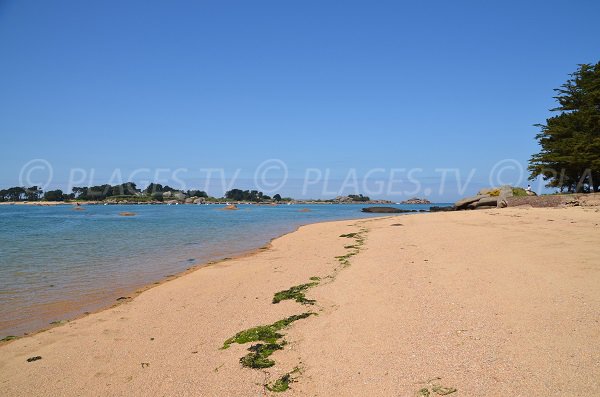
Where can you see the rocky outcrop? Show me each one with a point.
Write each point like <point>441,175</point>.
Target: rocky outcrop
<point>465,202</point>
<point>354,200</point>
<point>495,197</point>
<point>416,200</point>
<point>442,209</point>
<point>386,210</point>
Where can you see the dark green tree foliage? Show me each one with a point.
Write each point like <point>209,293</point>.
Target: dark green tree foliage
<point>12,194</point>
<point>55,195</point>
<point>33,193</point>
<point>359,197</point>
<point>18,193</point>
<point>100,192</point>
<point>246,195</point>
<point>570,141</point>
<point>196,193</point>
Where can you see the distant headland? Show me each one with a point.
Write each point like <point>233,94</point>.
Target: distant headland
<point>155,193</point>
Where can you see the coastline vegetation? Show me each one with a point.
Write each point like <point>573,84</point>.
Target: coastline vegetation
<point>155,193</point>
<point>570,141</point>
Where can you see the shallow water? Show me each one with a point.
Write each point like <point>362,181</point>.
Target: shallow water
<point>56,263</point>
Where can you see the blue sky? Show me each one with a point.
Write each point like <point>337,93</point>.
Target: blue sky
<point>111,87</point>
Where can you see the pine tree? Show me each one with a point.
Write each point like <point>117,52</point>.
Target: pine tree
<point>570,141</point>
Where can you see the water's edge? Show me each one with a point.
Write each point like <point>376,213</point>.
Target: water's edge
<point>115,297</point>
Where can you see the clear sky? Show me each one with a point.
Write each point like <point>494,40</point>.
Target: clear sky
<point>320,85</point>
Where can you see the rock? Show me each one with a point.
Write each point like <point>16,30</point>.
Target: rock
<point>530,193</point>
<point>487,201</point>
<point>230,207</point>
<point>416,200</point>
<point>487,191</point>
<point>189,200</point>
<point>343,199</point>
<point>385,210</point>
<point>485,207</point>
<point>199,200</point>
<point>127,213</point>
<point>442,209</point>
<point>463,203</point>
<point>506,191</point>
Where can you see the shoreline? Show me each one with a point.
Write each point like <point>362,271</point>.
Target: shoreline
<point>130,293</point>
<point>225,202</point>
<point>475,301</point>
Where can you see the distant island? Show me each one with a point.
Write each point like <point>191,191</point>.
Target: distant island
<point>416,200</point>
<point>155,193</point>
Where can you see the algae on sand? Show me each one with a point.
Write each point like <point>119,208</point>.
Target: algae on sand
<point>296,293</point>
<point>269,334</point>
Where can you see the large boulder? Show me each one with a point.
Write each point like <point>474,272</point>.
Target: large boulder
<point>179,196</point>
<point>487,191</point>
<point>486,201</point>
<point>463,203</point>
<point>385,210</point>
<point>485,207</point>
<point>506,191</point>
<point>442,209</point>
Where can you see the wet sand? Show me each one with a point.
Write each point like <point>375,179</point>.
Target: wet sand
<point>496,302</point>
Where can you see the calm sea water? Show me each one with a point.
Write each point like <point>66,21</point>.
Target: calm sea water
<point>56,263</point>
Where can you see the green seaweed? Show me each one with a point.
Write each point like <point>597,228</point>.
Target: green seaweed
<point>259,355</point>
<point>264,333</point>
<point>296,293</point>
<point>273,340</point>
<point>9,337</point>
<point>315,278</point>
<point>349,235</point>
<point>283,383</point>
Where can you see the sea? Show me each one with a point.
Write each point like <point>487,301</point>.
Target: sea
<point>59,262</point>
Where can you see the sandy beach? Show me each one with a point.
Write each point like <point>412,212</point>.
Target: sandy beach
<point>487,303</point>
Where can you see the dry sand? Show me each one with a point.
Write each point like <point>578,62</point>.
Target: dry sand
<point>492,303</point>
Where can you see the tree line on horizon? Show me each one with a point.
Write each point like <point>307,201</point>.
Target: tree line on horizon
<point>569,159</point>
<point>154,191</point>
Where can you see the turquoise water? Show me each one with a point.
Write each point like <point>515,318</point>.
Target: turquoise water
<point>56,263</point>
